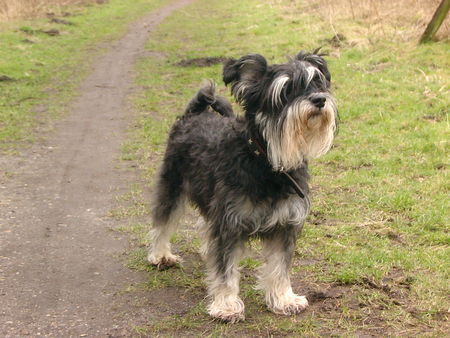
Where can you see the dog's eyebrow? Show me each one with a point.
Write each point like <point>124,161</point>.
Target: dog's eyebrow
<point>311,71</point>
<point>277,87</point>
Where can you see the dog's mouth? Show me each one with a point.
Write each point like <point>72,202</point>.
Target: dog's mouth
<point>314,114</point>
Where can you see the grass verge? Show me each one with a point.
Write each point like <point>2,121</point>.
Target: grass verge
<point>42,61</point>
<point>14,9</point>
<point>373,258</point>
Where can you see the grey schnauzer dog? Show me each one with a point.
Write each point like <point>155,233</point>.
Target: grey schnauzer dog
<point>247,176</point>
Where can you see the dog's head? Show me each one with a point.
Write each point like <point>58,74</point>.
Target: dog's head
<point>289,104</point>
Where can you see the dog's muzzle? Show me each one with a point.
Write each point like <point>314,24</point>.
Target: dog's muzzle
<point>318,100</point>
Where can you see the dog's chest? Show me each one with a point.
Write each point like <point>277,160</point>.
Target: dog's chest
<point>263,216</point>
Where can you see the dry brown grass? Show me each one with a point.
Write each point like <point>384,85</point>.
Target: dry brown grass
<point>401,20</point>
<point>18,9</point>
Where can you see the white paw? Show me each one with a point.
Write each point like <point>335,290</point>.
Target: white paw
<point>231,311</point>
<point>289,305</point>
<point>163,262</point>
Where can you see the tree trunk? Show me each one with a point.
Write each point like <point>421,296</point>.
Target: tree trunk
<point>436,21</point>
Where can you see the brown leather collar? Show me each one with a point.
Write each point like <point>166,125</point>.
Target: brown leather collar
<point>259,150</point>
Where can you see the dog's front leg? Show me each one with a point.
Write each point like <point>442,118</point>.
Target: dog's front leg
<point>278,249</point>
<point>222,259</point>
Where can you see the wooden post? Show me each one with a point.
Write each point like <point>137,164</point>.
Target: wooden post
<point>436,21</point>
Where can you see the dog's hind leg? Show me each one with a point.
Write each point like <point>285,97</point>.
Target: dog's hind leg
<point>278,249</point>
<point>168,207</point>
<point>222,259</point>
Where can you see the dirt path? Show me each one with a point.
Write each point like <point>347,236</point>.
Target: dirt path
<point>59,269</point>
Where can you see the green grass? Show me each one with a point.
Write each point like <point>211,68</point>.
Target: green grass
<point>377,241</point>
<point>379,224</point>
<point>378,232</point>
<point>47,69</point>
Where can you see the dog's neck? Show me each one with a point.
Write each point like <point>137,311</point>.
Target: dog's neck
<point>257,143</point>
<point>258,147</point>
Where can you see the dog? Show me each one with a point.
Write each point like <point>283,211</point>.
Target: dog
<point>247,176</point>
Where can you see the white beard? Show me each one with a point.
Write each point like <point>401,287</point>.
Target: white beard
<point>300,136</point>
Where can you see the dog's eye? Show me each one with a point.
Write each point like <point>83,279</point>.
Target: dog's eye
<point>320,80</point>
<point>318,77</point>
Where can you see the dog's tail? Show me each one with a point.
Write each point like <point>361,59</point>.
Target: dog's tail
<point>206,97</point>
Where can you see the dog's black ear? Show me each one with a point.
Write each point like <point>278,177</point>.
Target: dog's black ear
<point>249,68</point>
<point>316,60</point>
<point>229,71</point>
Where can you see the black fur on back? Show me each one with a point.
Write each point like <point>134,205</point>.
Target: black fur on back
<point>208,159</point>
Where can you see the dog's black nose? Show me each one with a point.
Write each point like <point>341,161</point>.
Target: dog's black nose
<point>318,100</point>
